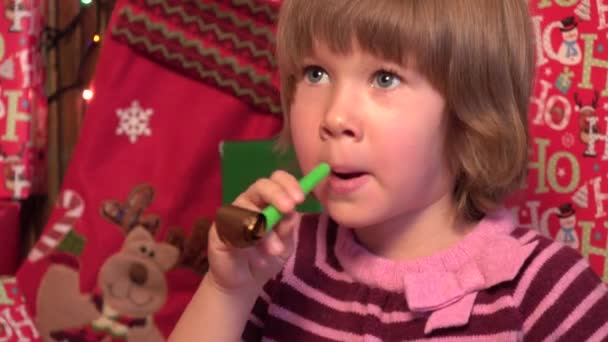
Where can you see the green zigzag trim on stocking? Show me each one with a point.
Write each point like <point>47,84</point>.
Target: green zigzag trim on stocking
<point>240,23</point>
<point>195,44</point>
<point>203,73</point>
<point>247,72</point>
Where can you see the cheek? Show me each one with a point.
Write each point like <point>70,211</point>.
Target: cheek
<point>303,125</point>
<point>304,121</point>
<point>414,153</point>
<point>306,108</point>
<point>304,130</point>
<point>305,148</point>
<point>411,139</point>
<point>409,161</point>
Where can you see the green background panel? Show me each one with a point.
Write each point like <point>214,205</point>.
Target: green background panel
<point>243,162</point>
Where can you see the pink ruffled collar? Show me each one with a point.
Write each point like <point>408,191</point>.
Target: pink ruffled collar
<point>446,284</point>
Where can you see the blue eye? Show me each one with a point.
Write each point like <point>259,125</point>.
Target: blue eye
<point>315,75</point>
<point>386,80</point>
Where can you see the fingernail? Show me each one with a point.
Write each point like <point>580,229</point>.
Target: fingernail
<point>286,203</point>
<point>298,196</point>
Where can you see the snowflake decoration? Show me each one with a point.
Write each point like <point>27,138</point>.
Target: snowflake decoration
<point>134,121</point>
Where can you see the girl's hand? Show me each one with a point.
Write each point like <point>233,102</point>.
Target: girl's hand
<point>243,269</point>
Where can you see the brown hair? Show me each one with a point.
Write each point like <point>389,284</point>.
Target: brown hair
<point>476,53</point>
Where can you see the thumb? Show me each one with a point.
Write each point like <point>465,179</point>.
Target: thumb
<point>285,233</point>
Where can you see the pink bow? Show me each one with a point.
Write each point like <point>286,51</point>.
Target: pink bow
<point>449,296</point>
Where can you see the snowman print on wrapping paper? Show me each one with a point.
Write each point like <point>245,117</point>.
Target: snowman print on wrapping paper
<point>567,222</point>
<point>569,52</point>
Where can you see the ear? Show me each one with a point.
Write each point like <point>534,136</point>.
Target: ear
<point>166,255</point>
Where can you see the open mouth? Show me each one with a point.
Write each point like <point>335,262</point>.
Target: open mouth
<point>348,175</point>
<point>344,182</point>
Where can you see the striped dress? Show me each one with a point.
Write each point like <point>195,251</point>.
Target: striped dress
<point>500,283</point>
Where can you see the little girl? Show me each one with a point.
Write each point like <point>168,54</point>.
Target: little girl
<point>419,107</point>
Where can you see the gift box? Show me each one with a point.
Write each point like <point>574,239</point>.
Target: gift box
<point>23,107</point>
<point>15,322</point>
<point>9,230</point>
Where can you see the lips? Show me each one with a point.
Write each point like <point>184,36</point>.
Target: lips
<point>346,181</point>
<point>347,175</point>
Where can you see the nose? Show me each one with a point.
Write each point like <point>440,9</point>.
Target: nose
<point>138,274</point>
<point>341,119</point>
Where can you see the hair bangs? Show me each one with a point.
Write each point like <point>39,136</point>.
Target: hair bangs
<point>403,32</point>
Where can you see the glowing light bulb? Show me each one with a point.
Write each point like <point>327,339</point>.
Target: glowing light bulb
<point>87,94</point>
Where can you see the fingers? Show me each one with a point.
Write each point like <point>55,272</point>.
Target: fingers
<point>235,268</point>
<point>290,184</point>
<point>281,241</point>
<point>267,256</point>
<point>270,255</point>
<point>214,240</point>
<point>284,192</point>
<point>286,227</point>
<point>281,190</point>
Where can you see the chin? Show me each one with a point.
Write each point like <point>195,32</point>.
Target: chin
<point>350,218</point>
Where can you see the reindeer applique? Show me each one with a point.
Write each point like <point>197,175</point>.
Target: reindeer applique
<point>131,282</point>
<point>586,111</point>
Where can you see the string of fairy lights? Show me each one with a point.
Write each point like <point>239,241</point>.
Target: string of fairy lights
<point>36,207</point>
<point>53,36</point>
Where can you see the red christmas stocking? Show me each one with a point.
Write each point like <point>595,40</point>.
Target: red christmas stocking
<point>124,249</point>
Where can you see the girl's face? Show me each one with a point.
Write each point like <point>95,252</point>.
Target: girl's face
<point>381,128</point>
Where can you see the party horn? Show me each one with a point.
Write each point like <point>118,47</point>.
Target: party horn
<point>240,227</point>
